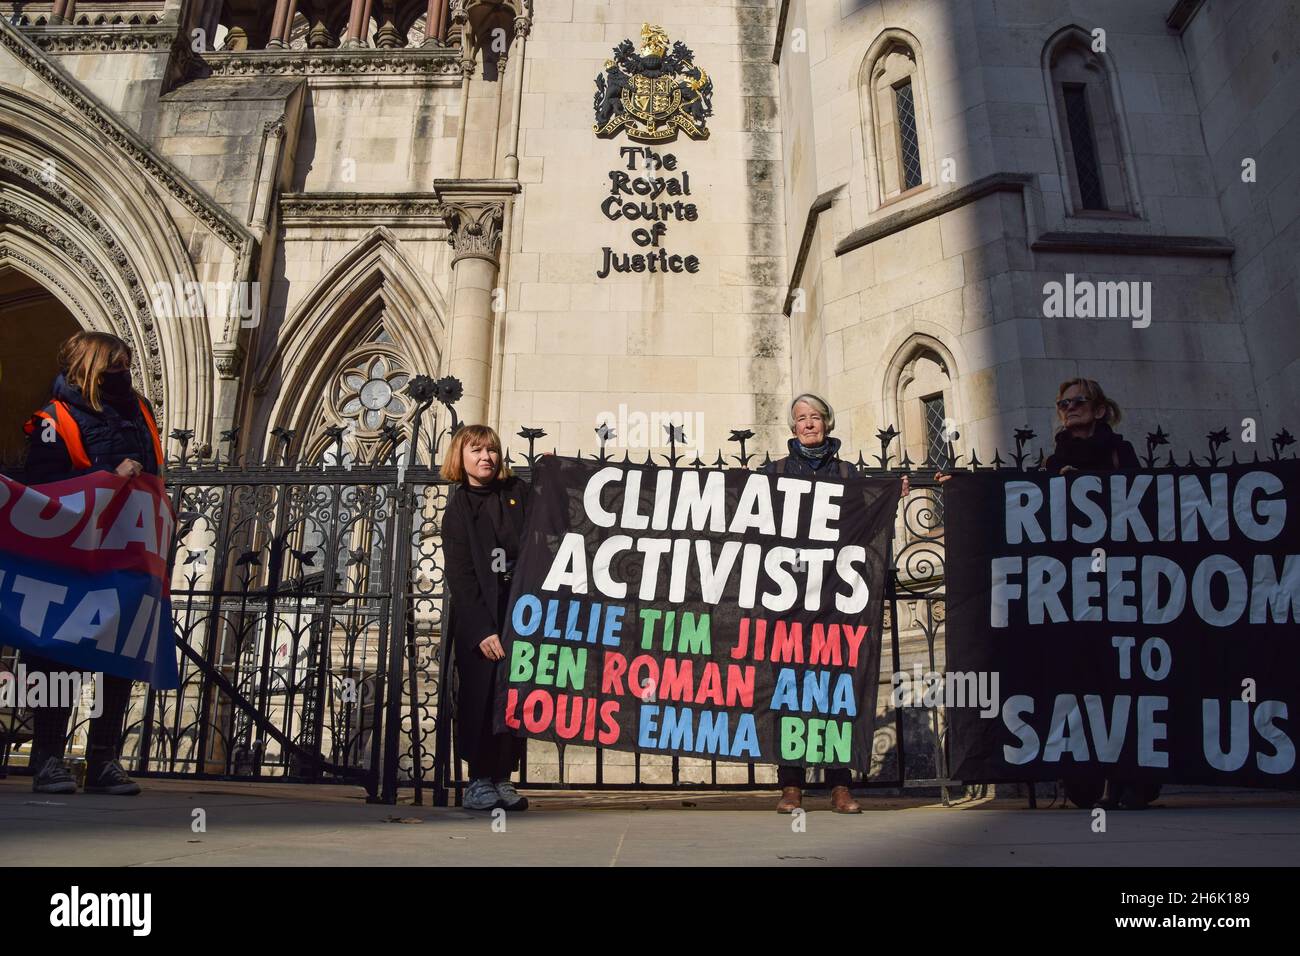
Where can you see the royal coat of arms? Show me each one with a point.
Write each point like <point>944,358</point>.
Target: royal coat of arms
<point>653,93</point>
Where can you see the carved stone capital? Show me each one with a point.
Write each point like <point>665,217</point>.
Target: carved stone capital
<point>228,359</point>
<point>475,229</point>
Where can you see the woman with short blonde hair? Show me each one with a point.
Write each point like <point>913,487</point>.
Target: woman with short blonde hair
<point>453,464</point>
<point>481,532</point>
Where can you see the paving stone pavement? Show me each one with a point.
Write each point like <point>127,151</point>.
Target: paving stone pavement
<point>284,824</point>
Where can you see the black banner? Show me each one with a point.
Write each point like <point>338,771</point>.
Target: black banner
<point>1139,624</point>
<point>729,615</point>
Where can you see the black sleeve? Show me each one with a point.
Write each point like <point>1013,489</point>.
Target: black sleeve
<point>48,461</point>
<point>1126,455</point>
<point>474,621</point>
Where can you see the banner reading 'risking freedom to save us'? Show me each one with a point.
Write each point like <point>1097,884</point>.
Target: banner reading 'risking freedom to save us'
<point>729,615</point>
<point>1140,625</point>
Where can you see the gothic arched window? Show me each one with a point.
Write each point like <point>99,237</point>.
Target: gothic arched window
<point>1089,135</point>
<point>899,148</point>
<point>920,400</point>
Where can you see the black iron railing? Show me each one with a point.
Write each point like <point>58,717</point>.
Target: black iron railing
<point>308,600</point>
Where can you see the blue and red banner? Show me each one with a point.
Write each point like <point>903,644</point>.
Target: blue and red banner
<point>83,574</point>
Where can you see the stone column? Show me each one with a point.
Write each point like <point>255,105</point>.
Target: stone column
<point>366,12</point>
<point>435,23</point>
<point>476,237</point>
<point>354,23</point>
<point>523,26</point>
<point>279,25</point>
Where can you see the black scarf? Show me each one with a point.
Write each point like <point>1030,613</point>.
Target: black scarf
<point>486,502</point>
<point>1097,452</point>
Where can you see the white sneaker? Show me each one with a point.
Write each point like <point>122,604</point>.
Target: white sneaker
<point>481,795</point>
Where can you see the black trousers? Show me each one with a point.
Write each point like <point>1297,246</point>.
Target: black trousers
<point>495,756</point>
<point>491,755</point>
<point>50,724</point>
<point>793,776</point>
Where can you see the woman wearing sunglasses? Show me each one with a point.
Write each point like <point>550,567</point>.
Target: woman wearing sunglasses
<point>1085,440</point>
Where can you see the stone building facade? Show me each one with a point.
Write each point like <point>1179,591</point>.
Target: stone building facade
<point>883,194</point>
<point>929,211</point>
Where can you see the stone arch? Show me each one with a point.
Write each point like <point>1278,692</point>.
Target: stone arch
<point>880,147</point>
<point>1110,119</point>
<point>374,282</point>
<point>76,209</point>
<point>908,350</point>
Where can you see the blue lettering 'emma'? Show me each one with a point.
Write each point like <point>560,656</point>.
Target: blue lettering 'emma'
<point>678,730</point>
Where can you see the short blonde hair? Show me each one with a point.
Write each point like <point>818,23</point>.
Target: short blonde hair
<point>822,406</point>
<point>1093,393</point>
<point>453,463</point>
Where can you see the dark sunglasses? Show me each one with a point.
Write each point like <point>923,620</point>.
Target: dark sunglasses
<point>1066,403</point>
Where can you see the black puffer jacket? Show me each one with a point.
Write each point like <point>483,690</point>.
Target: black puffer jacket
<point>109,437</point>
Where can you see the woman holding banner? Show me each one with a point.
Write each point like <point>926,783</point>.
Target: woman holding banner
<point>480,535</point>
<point>1086,441</point>
<point>814,454</point>
<point>95,421</point>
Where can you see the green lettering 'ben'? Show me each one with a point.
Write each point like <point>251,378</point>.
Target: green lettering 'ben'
<point>557,665</point>
<point>823,741</point>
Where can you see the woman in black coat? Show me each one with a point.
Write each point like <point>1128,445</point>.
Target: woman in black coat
<point>1087,442</point>
<point>481,530</point>
<point>94,421</point>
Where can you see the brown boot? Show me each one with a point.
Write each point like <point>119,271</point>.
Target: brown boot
<point>842,801</point>
<point>791,800</point>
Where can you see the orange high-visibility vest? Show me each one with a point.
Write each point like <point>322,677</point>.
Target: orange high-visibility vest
<point>65,426</point>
